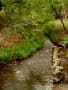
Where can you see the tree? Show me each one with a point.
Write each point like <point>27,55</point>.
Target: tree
<point>57,8</point>
<point>65,8</point>
<point>28,12</point>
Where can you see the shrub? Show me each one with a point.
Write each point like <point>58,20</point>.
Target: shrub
<point>52,32</point>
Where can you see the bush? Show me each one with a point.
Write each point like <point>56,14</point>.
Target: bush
<point>52,32</point>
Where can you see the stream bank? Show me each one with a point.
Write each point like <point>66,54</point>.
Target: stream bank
<point>60,68</point>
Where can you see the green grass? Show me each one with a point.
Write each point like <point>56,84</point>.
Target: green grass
<point>58,24</point>
<point>52,32</point>
<point>22,50</point>
<point>65,40</point>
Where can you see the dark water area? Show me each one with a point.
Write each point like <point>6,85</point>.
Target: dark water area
<point>35,73</point>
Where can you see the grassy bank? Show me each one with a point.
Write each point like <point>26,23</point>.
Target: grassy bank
<point>55,32</point>
<point>21,50</point>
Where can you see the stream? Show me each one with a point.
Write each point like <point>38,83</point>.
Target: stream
<point>34,73</point>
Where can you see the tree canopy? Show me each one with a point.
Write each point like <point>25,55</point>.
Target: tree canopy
<point>31,13</point>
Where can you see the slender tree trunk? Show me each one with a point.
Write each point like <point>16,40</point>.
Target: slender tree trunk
<point>63,25</point>
<point>61,19</point>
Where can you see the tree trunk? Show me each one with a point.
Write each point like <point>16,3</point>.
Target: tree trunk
<point>61,19</point>
<point>62,22</point>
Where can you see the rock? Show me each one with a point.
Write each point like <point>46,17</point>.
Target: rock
<point>59,77</point>
<point>57,62</point>
<point>56,80</point>
<point>58,72</point>
<point>57,69</point>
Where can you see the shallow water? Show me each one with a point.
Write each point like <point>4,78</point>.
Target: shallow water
<point>61,87</point>
<point>34,73</point>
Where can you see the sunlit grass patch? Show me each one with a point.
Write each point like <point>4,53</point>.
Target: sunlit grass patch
<point>21,50</point>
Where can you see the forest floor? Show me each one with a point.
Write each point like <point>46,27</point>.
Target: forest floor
<point>6,41</point>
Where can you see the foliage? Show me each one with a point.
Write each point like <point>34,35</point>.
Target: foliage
<point>27,12</point>
<point>52,32</point>
<point>65,40</point>
<point>56,7</point>
<point>65,4</point>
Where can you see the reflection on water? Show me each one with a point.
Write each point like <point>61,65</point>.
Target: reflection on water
<point>18,77</point>
<point>31,74</point>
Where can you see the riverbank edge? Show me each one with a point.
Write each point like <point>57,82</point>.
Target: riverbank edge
<point>30,47</point>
